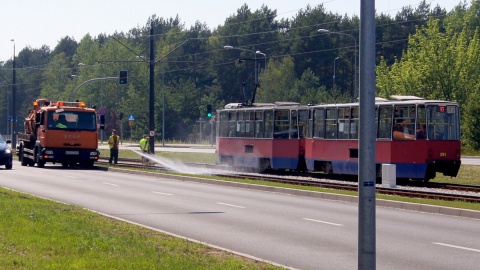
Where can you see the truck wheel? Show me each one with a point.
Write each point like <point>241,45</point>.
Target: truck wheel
<point>21,158</point>
<point>40,163</point>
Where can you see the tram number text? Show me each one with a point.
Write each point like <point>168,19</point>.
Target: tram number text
<point>443,154</point>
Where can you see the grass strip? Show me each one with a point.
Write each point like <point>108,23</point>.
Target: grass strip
<point>36,233</point>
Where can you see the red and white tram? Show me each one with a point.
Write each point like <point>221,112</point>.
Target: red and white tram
<point>421,137</point>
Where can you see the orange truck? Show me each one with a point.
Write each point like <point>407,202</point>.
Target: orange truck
<point>59,132</point>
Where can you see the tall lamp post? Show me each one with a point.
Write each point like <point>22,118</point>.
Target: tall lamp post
<point>7,107</point>
<point>334,69</point>
<point>14,91</point>
<point>355,83</point>
<point>265,79</point>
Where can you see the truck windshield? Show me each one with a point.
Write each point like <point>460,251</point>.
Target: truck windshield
<point>71,120</point>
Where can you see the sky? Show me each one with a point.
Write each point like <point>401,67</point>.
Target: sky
<point>36,23</point>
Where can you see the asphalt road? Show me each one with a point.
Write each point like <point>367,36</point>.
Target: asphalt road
<point>296,231</point>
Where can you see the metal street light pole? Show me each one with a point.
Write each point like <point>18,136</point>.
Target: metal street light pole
<point>151,65</point>
<point>163,106</point>
<point>88,81</point>
<point>265,79</point>
<point>14,91</point>
<point>334,69</point>
<point>355,83</point>
<point>7,107</point>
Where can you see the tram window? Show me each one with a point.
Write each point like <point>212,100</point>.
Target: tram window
<point>354,123</point>
<point>343,123</point>
<point>232,116</point>
<point>259,125</point>
<point>232,124</point>
<point>302,123</point>
<point>310,124</point>
<point>421,128</point>
<point>240,124</point>
<point>249,123</point>
<point>319,123</point>
<point>223,125</point>
<point>282,124</point>
<point>331,123</point>
<point>294,124</point>
<point>404,122</point>
<point>232,129</point>
<point>385,122</point>
<point>259,129</point>
<point>268,124</point>
<point>259,115</point>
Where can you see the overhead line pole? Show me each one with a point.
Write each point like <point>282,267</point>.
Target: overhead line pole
<point>151,65</point>
<point>14,101</point>
<point>366,142</point>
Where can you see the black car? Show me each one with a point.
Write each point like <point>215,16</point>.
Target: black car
<point>5,153</point>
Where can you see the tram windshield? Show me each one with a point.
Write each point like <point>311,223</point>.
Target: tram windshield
<point>71,120</point>
<point>425,122</point>
<point>442,122</point>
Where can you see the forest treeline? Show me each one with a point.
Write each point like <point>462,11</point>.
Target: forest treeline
<point>424,51</point>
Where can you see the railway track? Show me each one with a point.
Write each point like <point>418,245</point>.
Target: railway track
<point>437,191</point>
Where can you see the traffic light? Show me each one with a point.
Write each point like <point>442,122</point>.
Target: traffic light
<point>120,116</point>
<point>123,77</point>
<point>101,121</point>
<point>209,111</point>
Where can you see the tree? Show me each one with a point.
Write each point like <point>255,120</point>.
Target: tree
<point>471,123</point>
<point>57,78</point>
<point>281,81</point>
<point>438,65</point>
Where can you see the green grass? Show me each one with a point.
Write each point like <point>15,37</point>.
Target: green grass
<point>40,234</point>
<point>467,175</point>
<point>470,152</point>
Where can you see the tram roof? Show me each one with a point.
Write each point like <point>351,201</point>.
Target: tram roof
<point>262,105</point>
<point>394,100</point>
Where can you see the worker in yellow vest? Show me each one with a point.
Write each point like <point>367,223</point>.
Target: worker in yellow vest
<point>113,142</point>
<point>144,145</point>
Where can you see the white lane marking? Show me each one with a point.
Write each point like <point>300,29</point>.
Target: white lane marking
<point>161,193</point>
<point>232,205</point>
<point>71,176</point>
<point>459,247</point>
<point>324,222</point>
<point>110,184</point>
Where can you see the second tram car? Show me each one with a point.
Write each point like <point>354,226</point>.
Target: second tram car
<point>262,136</point>
<point>421,137</point>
